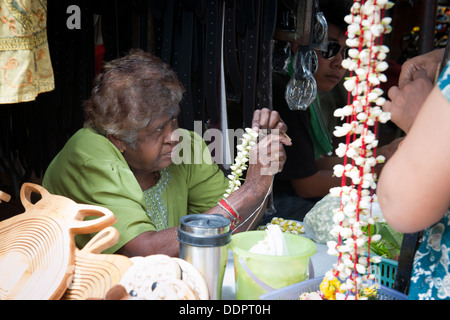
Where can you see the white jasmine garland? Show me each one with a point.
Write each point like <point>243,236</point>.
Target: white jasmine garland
<point>240,162</point>
<point>366,25</point>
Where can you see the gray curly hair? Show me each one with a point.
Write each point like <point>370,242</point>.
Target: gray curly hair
<point>128,93</point>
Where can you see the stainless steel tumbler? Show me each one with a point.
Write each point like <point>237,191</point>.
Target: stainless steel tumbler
<point>204,240</point>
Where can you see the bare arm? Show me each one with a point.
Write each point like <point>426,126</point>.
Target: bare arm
<point>319,184</point>
<point>245,200</point>
<point>414,186</point>
<point>268,154</point>
<point>152,242</point>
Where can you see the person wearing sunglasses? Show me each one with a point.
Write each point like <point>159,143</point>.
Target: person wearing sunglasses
<point>332,49</point>
<point>307,175</point>
<point>330,70</point>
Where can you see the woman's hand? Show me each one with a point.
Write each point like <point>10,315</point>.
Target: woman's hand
<point>428,62</point>
<point>268,156</point>
<point>414,85</point>
<point>407,99</point>
<point>267,122</point>
<point>268,119</point>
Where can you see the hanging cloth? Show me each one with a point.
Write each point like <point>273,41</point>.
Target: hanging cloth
<point>25,65</point>
<point>252,14</point>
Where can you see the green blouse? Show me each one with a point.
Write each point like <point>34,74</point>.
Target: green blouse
<point>90,169</point>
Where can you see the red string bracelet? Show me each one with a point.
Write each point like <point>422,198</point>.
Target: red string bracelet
<point>232,210</point>
<point>233,223</point>
<point>228,212</point>
<point>234,215</point>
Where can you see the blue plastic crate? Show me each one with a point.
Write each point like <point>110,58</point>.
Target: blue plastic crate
<point>294,291</point>
<point>385,271</point>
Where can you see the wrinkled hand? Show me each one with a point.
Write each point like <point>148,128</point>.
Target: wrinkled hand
<point>428,62</point>
<point>268,119</point>
<point>407,99</point>
<point>414,84</point>
<point>266,159</point>
<point>268,156</point>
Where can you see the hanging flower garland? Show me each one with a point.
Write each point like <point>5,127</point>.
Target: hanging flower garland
<point>366,64</point>
<point>240,162</point>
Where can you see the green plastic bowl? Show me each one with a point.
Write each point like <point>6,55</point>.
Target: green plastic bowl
<point>275,272</point>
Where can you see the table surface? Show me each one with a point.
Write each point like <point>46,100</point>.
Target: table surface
<point>321,261</point>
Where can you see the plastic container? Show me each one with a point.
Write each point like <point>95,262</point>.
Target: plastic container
<point>257,274</point>
<point>294,291</point>
<point>385,271</point>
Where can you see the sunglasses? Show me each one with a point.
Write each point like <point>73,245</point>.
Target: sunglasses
<point>332,48</point>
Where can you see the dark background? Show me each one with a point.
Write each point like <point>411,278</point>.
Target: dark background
<point>32,133</point>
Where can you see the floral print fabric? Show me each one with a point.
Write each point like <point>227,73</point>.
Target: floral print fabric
<point>430,278</point>
<point>25,65</point>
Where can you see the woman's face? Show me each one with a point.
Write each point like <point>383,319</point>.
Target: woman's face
<point>330,71</point>
<point>154,144</point>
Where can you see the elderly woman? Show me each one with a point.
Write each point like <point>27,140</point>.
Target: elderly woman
<point>122,159</point>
